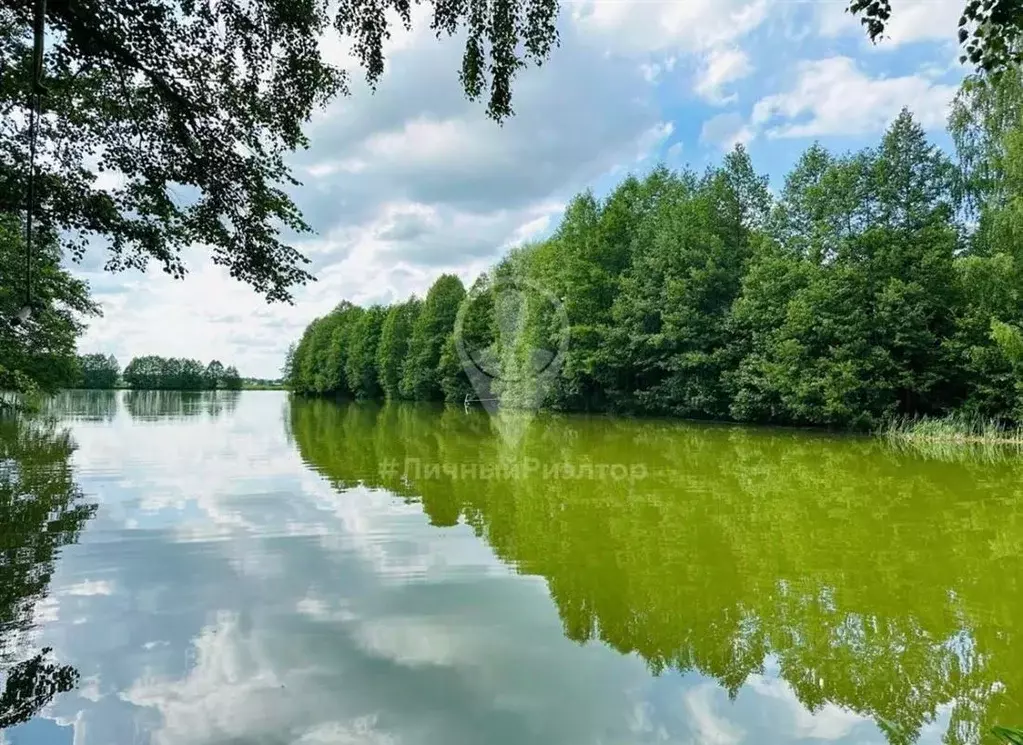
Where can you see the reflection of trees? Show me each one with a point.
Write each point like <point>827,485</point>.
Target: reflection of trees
<point>879,581</point>
<point>30,685</point>
<point>150,405</point>
<point>41,510</point>
<point>85,405</point>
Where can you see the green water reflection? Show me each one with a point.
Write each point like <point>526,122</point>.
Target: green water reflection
<point>305,572</point>
<point>888,583</point>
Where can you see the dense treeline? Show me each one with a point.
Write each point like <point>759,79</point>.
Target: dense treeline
<point>878,283</point>
<point>98,371</point>
<point>178,374</point>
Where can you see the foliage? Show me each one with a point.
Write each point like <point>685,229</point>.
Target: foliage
<point>151,372</point>
<point>230,381</point>
<point>30,685</point>
<point>40,354</point>
<point>878,286</point>
<point>990,32</point>
<point>986,124</point>
<point>1012,735</point>
<point>361,365</point>
<point>194,106</point>
<point>395,335</point>
<point>478,339</point>
<point>420,376</point>
<point>99,371</point>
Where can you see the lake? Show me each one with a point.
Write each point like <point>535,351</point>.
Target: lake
<point>235,568</point>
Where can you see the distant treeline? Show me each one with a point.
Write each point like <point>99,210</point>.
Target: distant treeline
<point>882,283</point>
<point>157,373</point>
<point>262,383</point>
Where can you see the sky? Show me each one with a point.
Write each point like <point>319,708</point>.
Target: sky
<point>412,180</point>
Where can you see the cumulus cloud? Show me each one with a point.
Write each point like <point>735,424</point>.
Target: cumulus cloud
<point>228,693</point>
<point>710,727</point>
<point>834,96</point>
<point>413,180</point>
<point>911,21</point>
<point>402,184</point>
<point>725,131</point>
<point>723,65</point>
<point>644,28</point>
<point>828,722</point>
<point>360,731</point>
<point>91,587</point>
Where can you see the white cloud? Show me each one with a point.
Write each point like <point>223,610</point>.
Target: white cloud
<point>91,587</point>
<point>653,71</point>
<point>835,97</point>
<point>405,183</point>
<point>652,27</point>
<point>417,642</point>
<point>321,610</point>
<point>829,722</point>
<point>725,131</point>
<point>911,21</point>
<point>711,728</point>
<point>228,693</point>
<point>89,689</point>
<point>721,66</point>
<point>412,180</point>
<point>360,731</point>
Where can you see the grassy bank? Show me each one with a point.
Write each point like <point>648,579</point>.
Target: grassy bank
<point>954,429</point>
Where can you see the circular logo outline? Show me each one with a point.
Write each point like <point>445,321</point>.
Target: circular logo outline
<point>517,284</point>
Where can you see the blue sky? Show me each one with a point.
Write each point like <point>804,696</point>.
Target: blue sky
<point>413,180</point>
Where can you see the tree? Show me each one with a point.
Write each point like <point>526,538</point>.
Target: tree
<point>420,377</point>
<point>674,300</point>
<point>194,105</point>
<point>99,371</point>
<point>232,380</point>
<point>288,368</point>
<point>214,375</point>
<point>152,372</point>
<point>986,124</point>
<point>361,365</point>
<point>395,335</point>
<point>478,336</point>
<point>990,32</point>
<point>881,283</point>
<point>41,353</point>
<point>844,315</point>
<point>332,357</point>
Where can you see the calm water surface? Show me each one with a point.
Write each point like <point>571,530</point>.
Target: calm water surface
<point>238,569</point>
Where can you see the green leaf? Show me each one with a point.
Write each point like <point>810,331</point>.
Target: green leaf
<point>1012,735</point>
